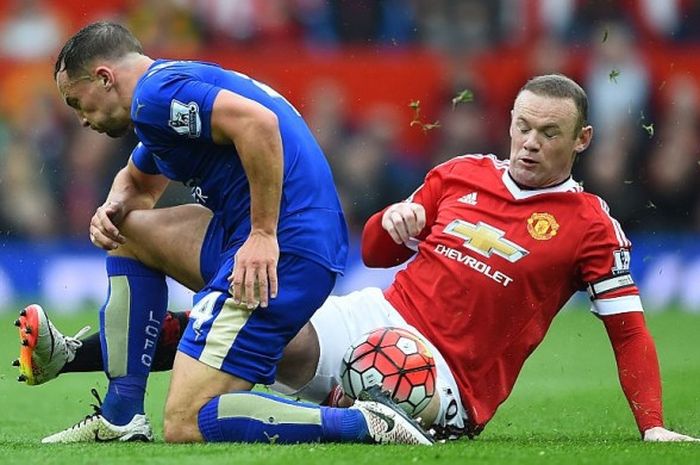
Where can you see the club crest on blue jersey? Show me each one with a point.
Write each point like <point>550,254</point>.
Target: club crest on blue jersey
<point>184,118</point>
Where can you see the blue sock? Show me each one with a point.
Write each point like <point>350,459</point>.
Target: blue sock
<point>124,399</point>
<point>344,425</point>
<point>130,322</point>
<point>260,417</point>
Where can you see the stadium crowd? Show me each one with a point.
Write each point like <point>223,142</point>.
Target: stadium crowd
<point>644,161</point>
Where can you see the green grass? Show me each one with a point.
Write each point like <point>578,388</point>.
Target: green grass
<point>567,407</point>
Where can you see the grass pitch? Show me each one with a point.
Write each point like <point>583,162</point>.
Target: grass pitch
<point>567,408</point>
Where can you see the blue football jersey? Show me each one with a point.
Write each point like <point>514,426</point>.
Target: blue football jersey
<point>171,111</point>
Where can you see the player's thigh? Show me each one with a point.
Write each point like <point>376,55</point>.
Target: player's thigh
<point>169,240</point>
<point>192,385</point>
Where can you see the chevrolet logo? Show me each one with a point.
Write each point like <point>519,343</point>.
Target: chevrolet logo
<point>486,240</point>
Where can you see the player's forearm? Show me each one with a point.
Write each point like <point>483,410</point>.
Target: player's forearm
<point>261,155</point>
<point>638,367</point>
<point>378,249</point>
<point>134,195</point>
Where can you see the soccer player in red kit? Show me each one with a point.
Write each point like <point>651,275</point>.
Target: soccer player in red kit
<point>498,248</point>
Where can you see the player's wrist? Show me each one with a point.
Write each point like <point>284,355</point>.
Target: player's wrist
<point>263,232</point>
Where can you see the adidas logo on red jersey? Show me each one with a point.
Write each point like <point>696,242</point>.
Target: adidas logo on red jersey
<point>469,199</point>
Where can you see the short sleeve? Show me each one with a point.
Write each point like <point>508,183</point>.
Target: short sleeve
<point>604,265</point>
<point>143,159</point>
<point>174,106</point>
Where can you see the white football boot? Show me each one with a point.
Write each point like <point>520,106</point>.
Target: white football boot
<point>387,422</point>
<point>44,350</point>
<point>95,428</point>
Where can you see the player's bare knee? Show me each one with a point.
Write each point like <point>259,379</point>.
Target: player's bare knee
<point>132,227</point>
<point>180,426</point>
<point>176,432</point>
<point>124,250</point>
<point>134,219</point>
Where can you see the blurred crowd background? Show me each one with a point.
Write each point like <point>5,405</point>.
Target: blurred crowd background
<point>390,88</point>
<point>353,68</point>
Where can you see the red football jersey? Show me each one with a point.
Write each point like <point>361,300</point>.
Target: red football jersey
<point>496,263</point>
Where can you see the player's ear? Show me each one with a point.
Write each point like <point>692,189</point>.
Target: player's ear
<point>584,139</point>
<point>105,76</point>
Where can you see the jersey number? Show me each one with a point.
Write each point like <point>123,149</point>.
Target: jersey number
<point>203,311</point>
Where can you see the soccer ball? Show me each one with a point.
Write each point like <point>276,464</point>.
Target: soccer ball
<point>395,359</point>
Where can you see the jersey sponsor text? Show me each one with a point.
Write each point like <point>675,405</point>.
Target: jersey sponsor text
<point>473,263</point>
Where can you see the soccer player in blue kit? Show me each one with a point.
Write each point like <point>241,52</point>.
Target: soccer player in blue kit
<point>262,248</point>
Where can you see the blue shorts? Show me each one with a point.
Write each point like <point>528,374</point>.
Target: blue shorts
<point>249,343</point>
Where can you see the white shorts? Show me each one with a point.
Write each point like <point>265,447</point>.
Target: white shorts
<point>340,321</point>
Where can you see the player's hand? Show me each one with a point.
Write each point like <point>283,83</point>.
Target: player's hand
<point>660,434</point>
<point>403,220</point>
<point>255,266</point>
<point>103,230</point>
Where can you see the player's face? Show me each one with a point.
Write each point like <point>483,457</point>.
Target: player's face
<point>543,142</point>
<point>95,103</point>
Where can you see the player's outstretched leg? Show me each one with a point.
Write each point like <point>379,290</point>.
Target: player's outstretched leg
<point>95,428</point>
<point>49,358</point>
<point>257,417</point>
<point>44,350</point>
